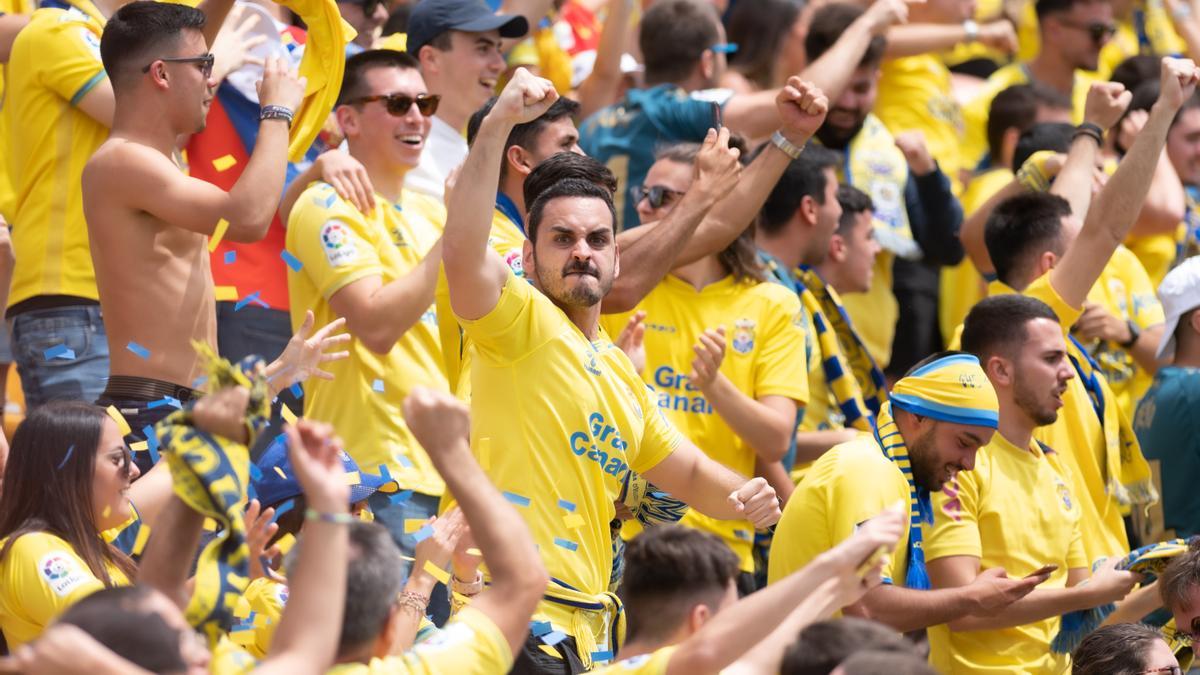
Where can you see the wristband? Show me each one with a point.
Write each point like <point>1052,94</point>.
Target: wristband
<point>276,112</point>
<point>789,148</point>
<point>971,29</point>
<point>468,588</point>
<point>1089,129</point>
<point>1135,332</point>
<point>335,518</point>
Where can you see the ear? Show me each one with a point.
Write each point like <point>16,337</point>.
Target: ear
<point>527,258</point>
<point>429,58</point>
<point>708,64</point>
<point>808,210</point>
<point>838,251</point>
<point>999,371</point>
<point>518,160</point>
<point>1046,262</point>
<point>1008,143</point>
<point>347,119</point>
<point>1194,321</point>
<point>617,260</point>
<point>158,75</point>
<point>699,616</point>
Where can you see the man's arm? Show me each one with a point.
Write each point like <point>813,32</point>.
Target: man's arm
<point>10,25</point>
<point>1118,204</point>
<point>1107,585</point>
<point>346,174</point>
<point>214,17</point>
<point>707,486</point>
<point>474,273</point>
<point>907,609</point>
<point>934,214</point>
<point>923,38</point>
<point>604,82</point>
<point>518,579</point>
<point>810,445</point>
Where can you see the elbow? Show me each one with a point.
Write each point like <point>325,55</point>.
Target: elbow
<point>249,230</point>
<point>775,448</point>
<point>377,344</point>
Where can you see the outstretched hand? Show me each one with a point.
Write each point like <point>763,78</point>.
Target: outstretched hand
<point>304,354</point>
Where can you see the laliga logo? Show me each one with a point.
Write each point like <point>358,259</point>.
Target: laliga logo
<point>54,568</point>
<point>743,336</point>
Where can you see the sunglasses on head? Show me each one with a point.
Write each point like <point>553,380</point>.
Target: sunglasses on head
<point>657,195</point>
<point>398,104</point>
<point>1099,31</point>
<point>204,61</point>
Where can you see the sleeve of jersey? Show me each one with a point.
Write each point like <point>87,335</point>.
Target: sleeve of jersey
<point>513,328</point>
<point>469,644</point>
<point>1044,290</point>
<point>48,577</point>
<point>1145,308</point>
<point>331,241</point>
<point>862,490</point>
<point>654,663</point>
<point>659,436</point>
<point>782,369</point>
<point>955,528</point>
<point>70,59</point>
<point>688,118</point>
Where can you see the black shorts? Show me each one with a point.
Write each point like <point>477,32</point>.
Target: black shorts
<point>533,660</point>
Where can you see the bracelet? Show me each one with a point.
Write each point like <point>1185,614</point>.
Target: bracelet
<point>414,601</point>
<point>277,112</point>
<point>468,588</point>
<point>335,518</point>
<point>1089,129</point>
<point>789,148</point>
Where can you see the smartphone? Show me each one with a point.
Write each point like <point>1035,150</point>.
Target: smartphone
<point>1044,569</point>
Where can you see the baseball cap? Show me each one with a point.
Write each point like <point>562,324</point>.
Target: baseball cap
<point>431,18</point>
<point>1179,293</point>
<point>275,481</point>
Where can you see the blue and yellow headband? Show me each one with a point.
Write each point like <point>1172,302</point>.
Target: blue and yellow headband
<point>953,388</point>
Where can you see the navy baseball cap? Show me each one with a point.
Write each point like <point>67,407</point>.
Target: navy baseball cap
<point>274,482</point>
<point>431,18</point>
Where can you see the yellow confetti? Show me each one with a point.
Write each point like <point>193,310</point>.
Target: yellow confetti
<point>352,478</point>
<point>462,599</point>
<point>218,234</point>
<point>143,536</point>
<point>550,650</point>
<point>225,294</point>
<point>280,472</point>
<point>224,163</point>
<point>119,419</point>
<point>261,620</point>
<point>437,572</point>
<point>413,524</point>
<point>243,638</point>
<point>573,521</point>
<point>107,510</point>
<point>285,543</point>
<point>475,552</point>
<point>288,415</point>
<point>139,446</point>
<point>210,525</point>
<point>241,610</point>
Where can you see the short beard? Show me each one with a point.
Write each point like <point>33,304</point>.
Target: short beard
<point>1028,403</point>
<point>580,296</point>
<point>922,455</point>
<point>837,139</point>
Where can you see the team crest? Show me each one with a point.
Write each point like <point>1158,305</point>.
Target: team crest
<point>589,361</point>
<point>743,336</point>
<point>1064,495</point>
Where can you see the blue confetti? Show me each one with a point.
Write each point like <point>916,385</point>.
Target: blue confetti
<point>404,461</point>
<point>296,390</point>
<point>330,200</point>
<point>377,385</point>
<point>166,400</point>
<point>246,300</point>
<point>138,349</point>
<point>566,543</point>
<point>66,457</point>
<point>401,497</point>
<point>151,442</point>
<point>602,656</point>
<point>517,499</point>
<point>283,508</point>
<point>554,637</point>
<point>255,472</point>
<point>564,504</point>
<point>60,352</point>
<point>384,473</point>
<point>423,533</point>
<point>539,628</point>
<point>291,260</point>
<point>230,257</point>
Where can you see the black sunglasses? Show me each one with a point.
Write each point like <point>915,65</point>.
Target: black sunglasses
<point>657,195</point>
<point>398,104</point>
<point>1099,31</point>
<point>204,61</point>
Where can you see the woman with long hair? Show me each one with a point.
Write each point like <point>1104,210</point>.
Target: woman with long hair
<point>770,39</point>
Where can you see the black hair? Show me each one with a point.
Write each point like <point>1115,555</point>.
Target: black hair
<point>827,26</point>
<point>566,165</point>
<point>880,662</point>
<point>803,177</point>
<point>821,646</point>
<point>1045,8</point>
<point>1119,649</point>
<point>853,202</point>
<point>759,28</point>
<point>397,21</point>
<point>1022,228</point>
<point>523,135</point>
<point>121,620</point>
<point>668,570</point>
<point>354,81</point>
<point>674,34</point>
<point>1054,136</point>
<point>997,325</point>
<point>1137,69</point>
<point>568,187</point>
<point>141,32</point>
<point>1017,108</point>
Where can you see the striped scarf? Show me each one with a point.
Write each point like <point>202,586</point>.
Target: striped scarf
<point>920,508</point>
<point>211,475</point>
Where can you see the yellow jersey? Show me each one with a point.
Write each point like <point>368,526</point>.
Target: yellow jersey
<point>1013,510</point>
<point>849,484</point>
<point>469,644</point>
<point>962,286</point>
<point>558,423</point>
<point>55,62</point>
<point>1157,36</point>
<point>654,663</point>
<point>508,241</point>
<point>337,245</point>
<point>915,95</point>
<point>1157,252</point>
<point>39,579</point>
<point>762,358</point>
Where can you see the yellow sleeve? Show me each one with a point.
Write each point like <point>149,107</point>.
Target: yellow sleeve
<point>654,663</point>
<point>469,644</point>
<point>69,63</point>
<point>1043,290</point>
<point>45,577</point>
<point>659,437</point>
<point>955,528</point>
<point>861,491</point>
<point>781,369</point>
<point>266,599</point>
<point>230,659</point>
<point>516,326</point>
<point>331,241</point>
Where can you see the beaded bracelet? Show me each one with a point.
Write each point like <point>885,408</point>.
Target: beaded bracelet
<point>335,518</point>
<point>414,601</point>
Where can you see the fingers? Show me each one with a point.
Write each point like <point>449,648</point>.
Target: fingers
<point>325,330</point>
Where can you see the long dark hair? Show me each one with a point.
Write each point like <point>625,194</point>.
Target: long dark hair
<point>740,258</point>
<point>759,27</point>
<point>45,490</point>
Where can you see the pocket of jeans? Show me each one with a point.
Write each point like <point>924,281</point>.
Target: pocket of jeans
<point>43,341</point>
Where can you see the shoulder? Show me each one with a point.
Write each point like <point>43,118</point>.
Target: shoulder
<point>775,297</point>
<point>51,558</point>
<point>320,203</point>
<point>421,209</point>
<point>859,460</point>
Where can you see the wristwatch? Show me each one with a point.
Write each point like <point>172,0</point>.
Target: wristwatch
<point>1134,333</point>
<point>972,30</point>
<point>789,148</point>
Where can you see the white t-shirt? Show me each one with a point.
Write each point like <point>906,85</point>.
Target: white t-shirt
<point>445,149</point>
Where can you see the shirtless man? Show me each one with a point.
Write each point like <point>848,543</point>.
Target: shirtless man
<point>149,223</point>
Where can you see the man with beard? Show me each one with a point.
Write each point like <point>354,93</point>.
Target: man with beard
<point>1014,510</point>
<point>916,215</point>
<point>559,414</point>
<point>939,415</point>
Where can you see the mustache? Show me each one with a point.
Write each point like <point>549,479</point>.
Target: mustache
<point>581,267</point>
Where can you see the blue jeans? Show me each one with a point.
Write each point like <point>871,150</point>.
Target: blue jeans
<point>139,415</point>
<point>392,516</point>
<point>81,330</point>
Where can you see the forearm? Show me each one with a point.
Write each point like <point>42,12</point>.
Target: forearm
<point>936,219</point>
<point>760,426</point>
<point>907,610</point>
<point>1165,204</point>
<point>765,657</point>
<point>1038,605</point>
<point>169,552</point>
<point>1189,30</point>
<point>972,232</point>
<point>922,38</point>
<point>254,199</point>
<point>214,17</point>
<point>310,626</point>
<point>810,445</point>
<point>832,71</point>
<point>1074,181</point>
<point>408,622</point>
<point>706,486</point>
<point>468,218</point>
<point>1118,204</point>
<point>601,86</point>
<point>1135,606</point>
<point>397,306</point>
<point>1145,350</point>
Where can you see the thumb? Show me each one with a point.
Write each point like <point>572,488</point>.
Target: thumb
<point>736,502</point>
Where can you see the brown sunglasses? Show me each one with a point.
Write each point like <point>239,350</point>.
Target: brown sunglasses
<point>399,104</point>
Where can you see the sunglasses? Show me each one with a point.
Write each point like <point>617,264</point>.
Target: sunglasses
<point>657,195</point>
<point>1100,32</point>
<point>1173,670</point>
<point>399,104</point>
<point>204,61</point>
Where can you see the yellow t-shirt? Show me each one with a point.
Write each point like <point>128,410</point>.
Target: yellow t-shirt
<point>55,62</point>
<point>915,95</point>
<point>1080,440</point>
<point>851,483</point>
<point>338,245</point>
<point>762,328</point>
<point>1013,510</point>
<point>508,241</point>
<point>1157,252</point>
<point>556,423</point>
<point>469,644</point>
<point>975,111</point>
<point>1159,33</point>
<point>654,663</point>
<point>962,286</point>
<point>1125,290</point>
<point>39,579</point>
